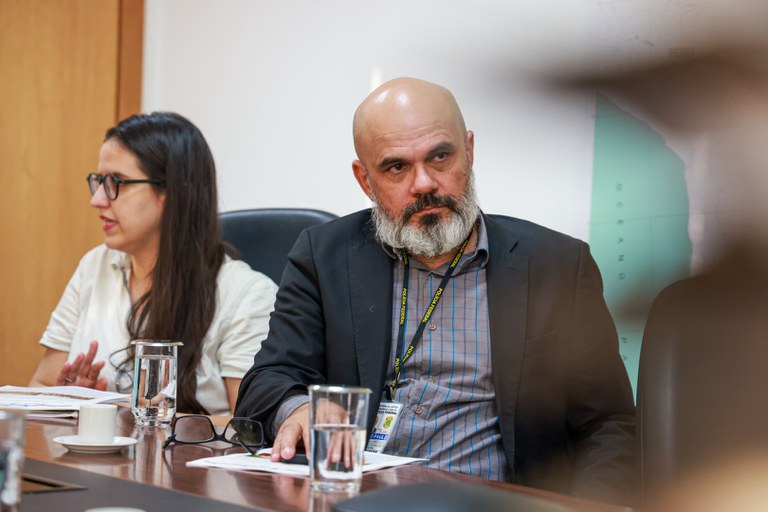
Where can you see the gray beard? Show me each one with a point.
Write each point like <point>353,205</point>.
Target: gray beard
<point>433,236</point>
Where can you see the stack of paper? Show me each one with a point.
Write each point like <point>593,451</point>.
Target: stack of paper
<point>53,402</point>
<point>261,462</point>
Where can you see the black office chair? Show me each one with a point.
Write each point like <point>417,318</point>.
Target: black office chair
<point>262,237</point>
<point>703,376</point>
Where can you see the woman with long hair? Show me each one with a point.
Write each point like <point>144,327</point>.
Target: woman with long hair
<point>162,273</point>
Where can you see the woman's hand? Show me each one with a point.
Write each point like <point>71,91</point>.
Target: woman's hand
<point>83,371</point>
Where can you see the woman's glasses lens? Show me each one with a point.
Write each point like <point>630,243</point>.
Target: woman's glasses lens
<point>110,186</point>
<point>94,180</point>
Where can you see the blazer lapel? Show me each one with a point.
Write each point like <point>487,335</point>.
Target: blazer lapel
<point>507,278</point>
<point>370,282</point>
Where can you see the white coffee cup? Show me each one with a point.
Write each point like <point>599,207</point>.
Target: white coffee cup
<point>96,423</point>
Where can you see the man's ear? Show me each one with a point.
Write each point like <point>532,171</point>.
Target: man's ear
<point>361,175</point>
<point>470,145</point>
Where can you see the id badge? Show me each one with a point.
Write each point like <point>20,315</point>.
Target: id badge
<point>384,426</point>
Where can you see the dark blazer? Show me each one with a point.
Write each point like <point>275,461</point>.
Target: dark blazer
<point>563,397</point>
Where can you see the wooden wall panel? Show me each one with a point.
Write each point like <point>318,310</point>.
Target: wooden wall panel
<point>130,52</point>
<point>59,62</point>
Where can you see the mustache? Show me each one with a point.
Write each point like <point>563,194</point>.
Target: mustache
<point>429,201</point>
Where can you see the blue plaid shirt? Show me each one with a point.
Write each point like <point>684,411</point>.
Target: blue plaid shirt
<point>446,387</point>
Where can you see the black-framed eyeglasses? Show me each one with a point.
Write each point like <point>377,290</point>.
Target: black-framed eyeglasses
<point>198,429</point>
<point>112,183</point>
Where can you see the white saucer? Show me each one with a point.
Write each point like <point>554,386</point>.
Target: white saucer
<point>73,444</point>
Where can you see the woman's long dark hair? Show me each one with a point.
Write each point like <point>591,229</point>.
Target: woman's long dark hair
<point>182,299</point>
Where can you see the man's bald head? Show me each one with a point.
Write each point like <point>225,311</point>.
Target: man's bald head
<point>415,164</point>
<point>402,104</point>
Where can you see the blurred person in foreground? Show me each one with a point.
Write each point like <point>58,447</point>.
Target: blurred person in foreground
<point>704,359</point>
<point>161,273</point>
<point>514,376</point>
<point>737,485</point>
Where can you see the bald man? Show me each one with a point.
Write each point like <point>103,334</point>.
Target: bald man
<point>508,358</point>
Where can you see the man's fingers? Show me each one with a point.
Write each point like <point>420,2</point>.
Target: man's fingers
<point>334,447</point>
<point>305,438</point>
<point>294,429</point>
<point>348,449</point>
<point>285,443</point>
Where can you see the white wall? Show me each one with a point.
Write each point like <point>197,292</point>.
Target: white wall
<point>273,85</point>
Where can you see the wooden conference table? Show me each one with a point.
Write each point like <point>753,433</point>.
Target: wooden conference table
<point>147,463</point>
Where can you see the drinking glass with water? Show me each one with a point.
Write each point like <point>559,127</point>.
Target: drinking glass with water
<point>11,459</point>
<point>337,419</point>
<point>154,382</point>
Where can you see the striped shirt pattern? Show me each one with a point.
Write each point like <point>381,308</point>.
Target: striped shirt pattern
<point>446,388</point>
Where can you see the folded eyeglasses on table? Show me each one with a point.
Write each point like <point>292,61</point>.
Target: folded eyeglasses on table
<point>198,429</point>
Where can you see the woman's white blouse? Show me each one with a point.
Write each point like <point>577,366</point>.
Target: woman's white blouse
<point>96,303</point>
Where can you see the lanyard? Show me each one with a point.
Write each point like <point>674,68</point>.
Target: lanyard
<point>399,363</point>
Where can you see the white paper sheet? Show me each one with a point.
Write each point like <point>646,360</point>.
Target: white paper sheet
<point>261,462</point>
<point>54,401</point>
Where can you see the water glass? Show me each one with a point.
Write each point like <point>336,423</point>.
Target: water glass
<point>337,420</point>
<point>11,459</point>
<point>154,381</point>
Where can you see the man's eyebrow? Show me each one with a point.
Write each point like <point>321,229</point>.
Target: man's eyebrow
<point>389,161</point>
<point>443,147</point>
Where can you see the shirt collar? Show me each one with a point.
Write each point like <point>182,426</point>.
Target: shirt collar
<point>120,262</point>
